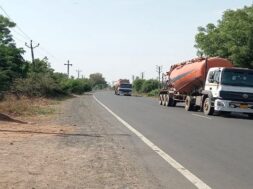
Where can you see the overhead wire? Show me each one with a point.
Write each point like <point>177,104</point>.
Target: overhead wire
<point>23,34</point>
<point>5,12</point>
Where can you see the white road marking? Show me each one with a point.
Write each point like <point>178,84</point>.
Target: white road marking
<point>186,173</point>
<point>202,116</point>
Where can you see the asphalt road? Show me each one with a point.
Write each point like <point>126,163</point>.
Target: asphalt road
<point>218,150</point>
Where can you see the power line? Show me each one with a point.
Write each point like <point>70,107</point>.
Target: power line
<point>46,51</point>
<point>23,34</point>
<point>19,34</point>
<point>18,39</point>
<point>4,11</point>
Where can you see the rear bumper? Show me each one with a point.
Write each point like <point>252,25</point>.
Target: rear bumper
<point>233,106</point>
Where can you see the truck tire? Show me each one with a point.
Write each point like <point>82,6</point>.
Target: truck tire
<point>160,99</point>
<point>164,99</point>
<point>207,107</point>
<point>188,104</point>
<point>170,101</point>
<point>173,102</point>
<point>167,100</point>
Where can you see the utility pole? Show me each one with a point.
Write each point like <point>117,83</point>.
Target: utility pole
<point>142,75</point>
<point>32,48</point>
<point>159,71</point>
<point>78,73</point>
<point>68,64</point>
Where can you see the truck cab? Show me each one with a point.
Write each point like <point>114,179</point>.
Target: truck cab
<point>229,90</point>
<point>125,89</point>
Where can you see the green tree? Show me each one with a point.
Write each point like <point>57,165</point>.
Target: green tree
<point>150,85</point>
<point>12,64</point>
<point>137,84</point>
<point>231,38</point>
<point>97,80</point>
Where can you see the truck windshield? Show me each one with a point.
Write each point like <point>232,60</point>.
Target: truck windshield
<point>237,78</point>
<point>126,86</point>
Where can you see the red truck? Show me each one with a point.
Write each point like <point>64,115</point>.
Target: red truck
<point>123,87</point>
<point>209,84</point>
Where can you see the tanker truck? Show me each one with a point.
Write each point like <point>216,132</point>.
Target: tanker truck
<point>123,87</point>
<point>211,85</point>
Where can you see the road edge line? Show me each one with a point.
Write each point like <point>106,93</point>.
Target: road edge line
<point>186,173</point>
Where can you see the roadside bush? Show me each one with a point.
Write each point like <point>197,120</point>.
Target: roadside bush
<point>154,92</point>
<point>149,85</point>
<point>37,85</point>
<point>76,86</point>
<point>137,84</point>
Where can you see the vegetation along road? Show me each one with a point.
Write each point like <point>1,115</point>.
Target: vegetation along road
<point>217,150</point>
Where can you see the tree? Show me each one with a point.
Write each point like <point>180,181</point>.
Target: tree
<point>231,38</point>
<point>137,84</point>
<point>149,85</point>
<point>97,79</point>
<point>12,64</point>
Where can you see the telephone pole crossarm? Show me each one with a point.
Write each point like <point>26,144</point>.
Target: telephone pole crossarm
<point>32,50</point>
<point>68,65</point>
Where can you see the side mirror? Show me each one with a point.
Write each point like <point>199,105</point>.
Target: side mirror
<point>215,81</point>
<point>211,77</point>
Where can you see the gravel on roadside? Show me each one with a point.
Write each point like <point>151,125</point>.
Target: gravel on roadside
<point>83,147</point>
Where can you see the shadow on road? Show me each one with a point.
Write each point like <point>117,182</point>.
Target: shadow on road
<point>61,134</point>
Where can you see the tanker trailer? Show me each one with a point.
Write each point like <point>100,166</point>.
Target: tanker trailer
<point>210,85</point>
<point>123,87</point>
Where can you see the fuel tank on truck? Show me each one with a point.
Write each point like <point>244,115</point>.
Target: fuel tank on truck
<point>189,76</point>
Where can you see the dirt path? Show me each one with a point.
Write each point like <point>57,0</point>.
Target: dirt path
<point>83,147</point>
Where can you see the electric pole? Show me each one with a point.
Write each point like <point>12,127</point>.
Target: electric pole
<point>142,75</point>
<point>159,71</point>
<point>68,64</point>
<point>32,48</point>
<point>78,73</point>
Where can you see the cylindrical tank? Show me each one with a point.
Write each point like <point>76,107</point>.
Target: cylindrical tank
<point>190,76</point>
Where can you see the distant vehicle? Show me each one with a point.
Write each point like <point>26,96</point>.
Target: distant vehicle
<point>209,84</point>
<point>123,87</point>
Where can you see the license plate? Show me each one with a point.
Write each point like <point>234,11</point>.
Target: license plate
<point>244,106</point>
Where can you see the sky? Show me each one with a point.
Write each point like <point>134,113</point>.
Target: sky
<point>118,38</point>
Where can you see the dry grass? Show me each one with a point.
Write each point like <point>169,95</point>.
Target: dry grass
<point>25,106</point>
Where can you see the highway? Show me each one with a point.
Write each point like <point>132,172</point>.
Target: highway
<point>218,150</point>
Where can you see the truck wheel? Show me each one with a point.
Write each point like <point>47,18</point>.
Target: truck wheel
<point>207,107</point>
<point>167,100</point>
<point>160,99</point>
<point>188,104</point>
<point>173,102</point>
<point>164,99</point>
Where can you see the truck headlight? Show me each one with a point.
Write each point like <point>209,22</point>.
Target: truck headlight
<point>221,104</point>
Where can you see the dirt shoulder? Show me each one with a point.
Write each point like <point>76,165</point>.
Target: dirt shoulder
<point>80,147</point>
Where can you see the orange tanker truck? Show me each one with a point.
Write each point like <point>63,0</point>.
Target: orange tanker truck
<point>209,84</point>
<point>123,87</point>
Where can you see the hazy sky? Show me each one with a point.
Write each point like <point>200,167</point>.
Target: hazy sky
<point>118,38</point>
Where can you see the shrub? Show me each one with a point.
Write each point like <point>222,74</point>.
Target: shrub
<point>76,86</point>
<point>137,84</point>
<point>149,85</point>
<point>37,85</point>
<point>154,92</point>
